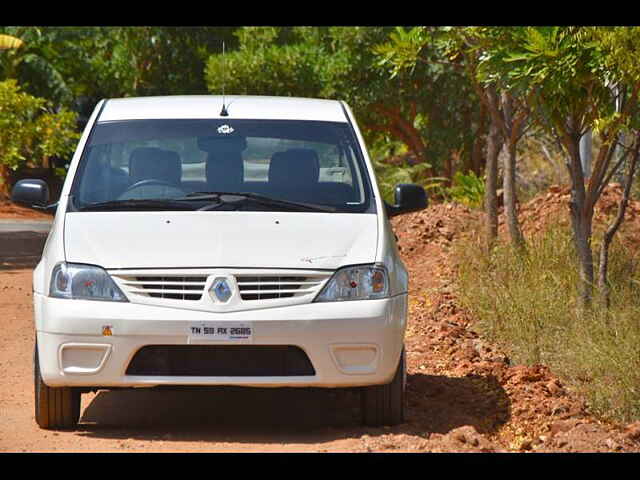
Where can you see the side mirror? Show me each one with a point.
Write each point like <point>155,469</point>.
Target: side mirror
<point>31,193</point>
<point>409,198</point>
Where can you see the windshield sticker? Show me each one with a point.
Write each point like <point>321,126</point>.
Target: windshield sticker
<point>225,129</point>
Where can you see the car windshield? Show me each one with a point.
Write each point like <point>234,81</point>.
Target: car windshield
<point>315,163</point>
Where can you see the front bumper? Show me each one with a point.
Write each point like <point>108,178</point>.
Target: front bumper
<point>353,343</point>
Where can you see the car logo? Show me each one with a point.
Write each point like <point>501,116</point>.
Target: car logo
<point>221,289</point>
<point>225,129</point>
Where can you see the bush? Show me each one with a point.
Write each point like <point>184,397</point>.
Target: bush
<point>274,70</point>
<point>467,189</point>
<point>29,131</point>
<point>526,302</point>
<point>389,176</point>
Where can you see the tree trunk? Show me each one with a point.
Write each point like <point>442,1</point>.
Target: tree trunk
<point>603,282</point>
<point>582,238</point>
<point>509,192</point>
<point>4,182</point>
<point>494,145</point>
<point>581,213</point>
<point>448,168</point>
<point>404,130</point>
<point>479,141</point>
<point>417,150</point>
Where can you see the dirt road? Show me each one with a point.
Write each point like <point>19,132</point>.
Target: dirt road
<point>463,394</point>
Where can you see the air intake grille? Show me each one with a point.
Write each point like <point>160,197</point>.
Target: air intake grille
<point>221,361</point>
<point>173,287</point>
<point>264,288</point>
<point>191,289</point>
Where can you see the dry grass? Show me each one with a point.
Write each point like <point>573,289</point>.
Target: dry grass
<point>527,303</point>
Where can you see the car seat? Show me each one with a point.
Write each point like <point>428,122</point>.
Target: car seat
<point>154,163</point>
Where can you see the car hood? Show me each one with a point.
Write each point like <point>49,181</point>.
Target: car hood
<point>307,240</point>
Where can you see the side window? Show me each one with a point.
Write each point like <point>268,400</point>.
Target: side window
<point>96,174</point>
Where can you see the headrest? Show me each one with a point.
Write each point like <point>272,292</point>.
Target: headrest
<point>152,162</point>
<point>225,172</point>
<point>294,167</point>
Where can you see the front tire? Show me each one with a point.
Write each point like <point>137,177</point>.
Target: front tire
<point>384,404</point>
<point>55,408</point>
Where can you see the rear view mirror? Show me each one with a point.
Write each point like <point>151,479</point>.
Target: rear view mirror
<point>409,198</point>
<point>31,193</point>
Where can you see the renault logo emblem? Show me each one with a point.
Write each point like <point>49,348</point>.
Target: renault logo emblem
<point>221,289</point>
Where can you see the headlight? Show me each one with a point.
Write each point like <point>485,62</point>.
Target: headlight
<point>362,282</point>
<point>83,282</point>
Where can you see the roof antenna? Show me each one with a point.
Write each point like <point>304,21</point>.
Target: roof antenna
<point>224,112</point>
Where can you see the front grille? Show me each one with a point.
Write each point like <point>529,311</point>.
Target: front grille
<point>221,361</point>
<point>268,287</point>
<point>252,288</point>
<point>173,287</point>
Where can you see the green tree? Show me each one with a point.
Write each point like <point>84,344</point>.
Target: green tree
<point>75,67</point>
<point>456,52</point>
<point>159,60</point>
<point>430,113</point>
<point>30,131</point>
<point>568,74</point>
<point>508,109</point>
<point>36,61</point>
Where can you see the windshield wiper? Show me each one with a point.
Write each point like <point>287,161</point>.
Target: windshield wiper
<point>272,202</point>
<point>136,204</point>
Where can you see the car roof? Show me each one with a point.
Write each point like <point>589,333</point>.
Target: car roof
<point>210,106</point>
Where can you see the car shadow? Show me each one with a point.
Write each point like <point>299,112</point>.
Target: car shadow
<point>247,415</point>
<point>19,250</point>
<point>436,404</point>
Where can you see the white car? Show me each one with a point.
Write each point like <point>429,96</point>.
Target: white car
<point>200,245</point>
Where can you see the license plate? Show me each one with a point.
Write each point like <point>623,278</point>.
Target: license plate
<point>222,331</point>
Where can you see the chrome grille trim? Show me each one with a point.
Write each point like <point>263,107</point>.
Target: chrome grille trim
<point>175,287</point>
<point>267,287</point>
<point>190,288</point>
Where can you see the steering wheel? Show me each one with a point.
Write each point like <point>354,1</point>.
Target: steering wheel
<point>150,181</point>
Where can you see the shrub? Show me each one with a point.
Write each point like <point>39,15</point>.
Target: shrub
<point>29,131</point>
<point>467,189</point>
<point>389,175</point>
<point>526,302</point>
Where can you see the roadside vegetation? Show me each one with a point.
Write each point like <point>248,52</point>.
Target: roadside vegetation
<point>527,302</point>
<point>30,129</point>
